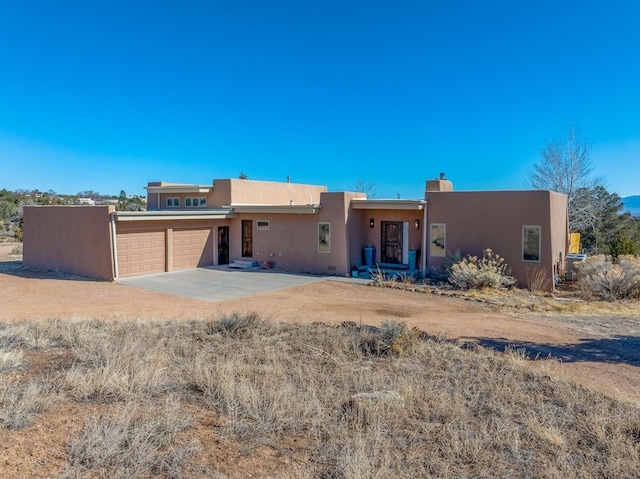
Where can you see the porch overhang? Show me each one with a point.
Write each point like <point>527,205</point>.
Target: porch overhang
<point>164,215</point>
<point>194,189</point>
<point>398,205</point>
<point>277,209</point>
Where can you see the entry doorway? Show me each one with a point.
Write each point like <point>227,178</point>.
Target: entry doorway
<point>223,245</point>
<point>391,242</point>
<point>247,238</point>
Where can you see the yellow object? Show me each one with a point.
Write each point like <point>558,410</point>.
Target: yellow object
<point>574,243</point>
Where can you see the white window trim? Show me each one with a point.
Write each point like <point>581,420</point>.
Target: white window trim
<point>444,249</point>
<point>263,227</point>
<point>524,227</point>
<point>173,200</point>
<point>202,201</point>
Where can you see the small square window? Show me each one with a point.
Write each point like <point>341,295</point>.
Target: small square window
<point>262,224</point>
<point>187,202</point>
<point>203,202</point>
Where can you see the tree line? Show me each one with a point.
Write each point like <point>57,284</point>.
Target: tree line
<point>12,203</point>
<point>565,166</point>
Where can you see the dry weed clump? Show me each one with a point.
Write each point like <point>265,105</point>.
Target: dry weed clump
<point>135,440</point>
<point>341,402</point>
<point>600,276</point>
<point>21,401</point>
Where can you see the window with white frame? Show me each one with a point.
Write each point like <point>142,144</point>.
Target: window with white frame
<point>195,202</point>
<point>262,224</point>
<point>173,202</point>
<point>324,237</point>
<point>438,239</point>
<point>531,243</point>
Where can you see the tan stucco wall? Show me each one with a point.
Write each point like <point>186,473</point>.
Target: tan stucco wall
<point>494,219</point>
<point>236,191</point>
<point>292,239</point>
<point>72,239</point>
<point>229,191</point>
<point>559,226</point>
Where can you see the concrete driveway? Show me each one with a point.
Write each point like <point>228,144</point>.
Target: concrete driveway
<point>219,283</point>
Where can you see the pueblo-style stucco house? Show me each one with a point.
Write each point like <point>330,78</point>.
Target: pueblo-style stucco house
<point>297,228</point>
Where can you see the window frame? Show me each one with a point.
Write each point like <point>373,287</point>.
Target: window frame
<point>264,226</point>
<point>195,202</point>
<point>524,245</point>
<point>174,200</point>
<point>324,236</point>
<point>432,245</point>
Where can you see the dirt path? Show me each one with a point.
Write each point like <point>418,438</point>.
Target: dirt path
<point>595,351</point>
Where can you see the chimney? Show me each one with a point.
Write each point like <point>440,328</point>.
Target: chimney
<point>439,184</point>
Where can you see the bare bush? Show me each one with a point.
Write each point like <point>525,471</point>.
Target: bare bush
<point>10,360</point>
<point>490,271</point>
<point>611,281</point>
<point>21,401</point>
<point>135,440</point>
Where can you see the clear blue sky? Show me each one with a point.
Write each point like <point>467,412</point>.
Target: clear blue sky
<point>108,95</point>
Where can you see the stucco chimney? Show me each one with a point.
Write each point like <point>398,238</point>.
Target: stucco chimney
<point>439,184</point>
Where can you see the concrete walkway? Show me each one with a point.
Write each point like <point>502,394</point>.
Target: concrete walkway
<point>220,283</point>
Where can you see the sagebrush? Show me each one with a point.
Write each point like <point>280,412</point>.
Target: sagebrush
<point>490,271</point>
<point>610,280</point>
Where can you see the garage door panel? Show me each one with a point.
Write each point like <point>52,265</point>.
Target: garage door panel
<point>141,252</point>
<point>192,248</point>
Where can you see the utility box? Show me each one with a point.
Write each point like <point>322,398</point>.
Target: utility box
<point>572,259</point>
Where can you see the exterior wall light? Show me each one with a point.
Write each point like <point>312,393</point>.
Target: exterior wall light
<point>416,224</point>
<point>372,223</point>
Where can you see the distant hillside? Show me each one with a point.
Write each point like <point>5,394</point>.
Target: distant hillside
<point>632,204</point>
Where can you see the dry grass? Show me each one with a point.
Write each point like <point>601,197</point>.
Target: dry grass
<point>336,402</point>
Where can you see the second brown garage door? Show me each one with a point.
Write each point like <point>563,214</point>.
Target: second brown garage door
<point>192,248</point>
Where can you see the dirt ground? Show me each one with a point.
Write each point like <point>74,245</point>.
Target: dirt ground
<point>598,351</point>
<point>602,352</point>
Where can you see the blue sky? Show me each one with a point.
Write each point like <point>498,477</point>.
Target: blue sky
<point>108,95</point>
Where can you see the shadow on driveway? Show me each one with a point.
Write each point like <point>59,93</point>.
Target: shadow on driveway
<point>616,349</point>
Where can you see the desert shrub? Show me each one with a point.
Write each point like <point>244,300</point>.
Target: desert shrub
<point>20,401</point>
<point>10,360</point>
<point>397,337</point>
<point>621,245</point>
<point>490,271</point>
<point>600,276</point>
<point>235,325</point>
<point>136,440</point>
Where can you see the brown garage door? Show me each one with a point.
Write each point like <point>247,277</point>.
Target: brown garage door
<point>140,252</point>
<point>192,248</point>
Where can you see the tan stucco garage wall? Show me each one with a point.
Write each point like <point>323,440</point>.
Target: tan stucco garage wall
<point>73,239</point>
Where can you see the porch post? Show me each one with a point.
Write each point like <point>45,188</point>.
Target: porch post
<point>425,226</point>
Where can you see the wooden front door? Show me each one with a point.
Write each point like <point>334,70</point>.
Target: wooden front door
<point>247,238</point>
<point>223,245</point>
<point>391,242</point>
